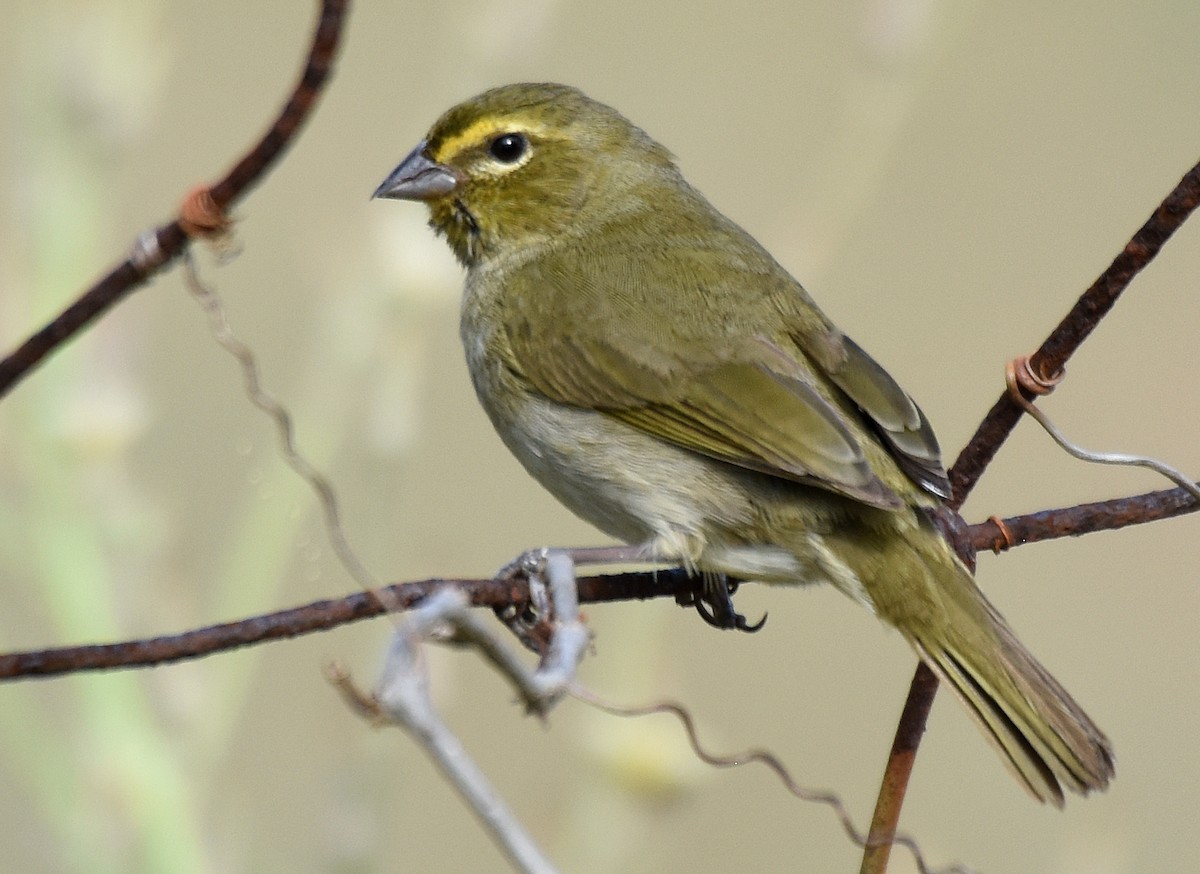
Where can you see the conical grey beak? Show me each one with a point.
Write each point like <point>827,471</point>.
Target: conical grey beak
<point>418,178</point>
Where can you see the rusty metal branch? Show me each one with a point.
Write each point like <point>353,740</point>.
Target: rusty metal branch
<point>1046,364</point>
<point>499,594</point>
<point>1093,305</point>
<point>159,247</point>
<point>319,616</point>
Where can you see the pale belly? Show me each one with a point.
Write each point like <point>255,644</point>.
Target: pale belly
<point>681,506</point>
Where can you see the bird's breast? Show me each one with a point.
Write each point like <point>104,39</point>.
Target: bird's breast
<point>625,482</point>
<point>636,486</point>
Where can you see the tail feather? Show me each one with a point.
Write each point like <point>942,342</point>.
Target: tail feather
<point>914,582</point>
<point>1044,736</point>
<point>1021,757</point>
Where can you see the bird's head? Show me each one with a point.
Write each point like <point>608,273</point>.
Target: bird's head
<point>522,164</point>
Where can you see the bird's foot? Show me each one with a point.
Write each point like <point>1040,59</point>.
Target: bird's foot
<point>549,623</point>
<point>714,603</point>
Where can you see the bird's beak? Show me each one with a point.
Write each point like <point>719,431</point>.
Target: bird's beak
<point>418,178</point>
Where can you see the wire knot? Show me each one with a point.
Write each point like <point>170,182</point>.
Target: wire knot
<point>1005,540</point>
<point>1021,377</point>
<point>199,215</point>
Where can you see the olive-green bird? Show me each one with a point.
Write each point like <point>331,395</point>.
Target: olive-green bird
<point>666,379</point>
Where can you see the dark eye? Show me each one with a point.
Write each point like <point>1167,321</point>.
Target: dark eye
<point>509,148</point>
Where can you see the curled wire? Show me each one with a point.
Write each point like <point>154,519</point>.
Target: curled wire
<point>286,433</point>
<point>771,762</point>
<point>1015,384</point>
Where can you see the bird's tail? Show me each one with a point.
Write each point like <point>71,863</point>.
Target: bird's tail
<point>931,598</point>
<point>1044,736</point>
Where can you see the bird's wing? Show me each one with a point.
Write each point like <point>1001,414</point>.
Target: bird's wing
<point>612,332</point>
<point>896,417</point>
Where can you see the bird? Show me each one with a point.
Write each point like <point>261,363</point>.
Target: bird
<point>667,380</point>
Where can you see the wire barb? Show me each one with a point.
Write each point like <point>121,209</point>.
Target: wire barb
<point>1091,307</point>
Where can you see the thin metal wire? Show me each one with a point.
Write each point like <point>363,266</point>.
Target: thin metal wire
<point>208,299</point>
<point>769,760</point>
<point>1118,458</point>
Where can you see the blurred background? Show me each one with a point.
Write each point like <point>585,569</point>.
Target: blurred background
<point>945,178</point>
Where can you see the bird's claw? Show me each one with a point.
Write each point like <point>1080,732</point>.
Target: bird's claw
<point>529,622</point>
<point>529,564</point>
<point>714,603</point>
<point>741,624</point>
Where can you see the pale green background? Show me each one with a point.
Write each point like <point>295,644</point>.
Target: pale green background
<point>945,178</point>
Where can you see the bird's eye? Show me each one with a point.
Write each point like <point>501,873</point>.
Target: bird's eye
<point>509,148</point>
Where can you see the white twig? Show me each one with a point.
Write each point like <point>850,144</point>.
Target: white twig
<point>569,641</point>
<point>403,690</point>
<point>403,695</point>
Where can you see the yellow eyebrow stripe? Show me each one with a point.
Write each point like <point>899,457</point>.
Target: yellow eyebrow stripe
<point>480,131</point>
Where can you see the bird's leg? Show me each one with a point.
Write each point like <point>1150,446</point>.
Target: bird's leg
<point>532,560</point>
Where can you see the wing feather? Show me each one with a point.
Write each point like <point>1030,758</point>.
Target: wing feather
<point>707,370</point>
